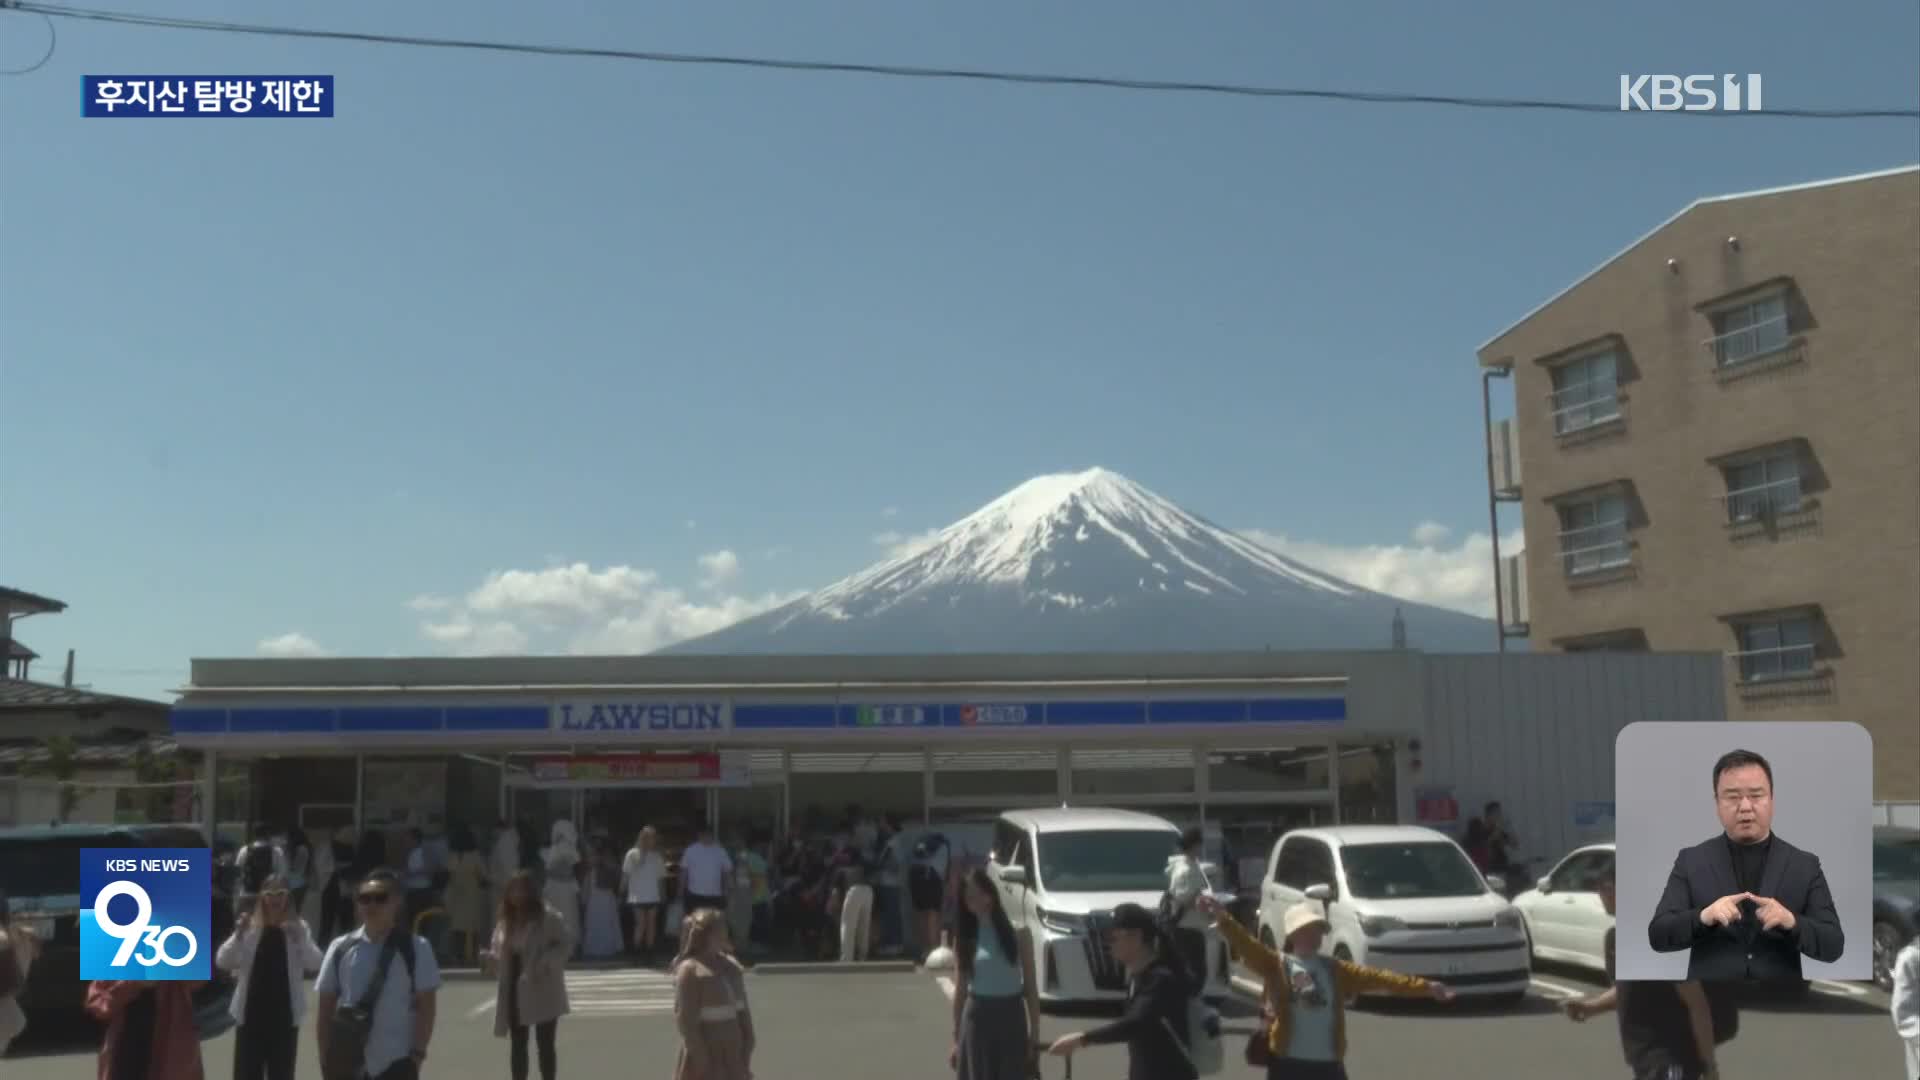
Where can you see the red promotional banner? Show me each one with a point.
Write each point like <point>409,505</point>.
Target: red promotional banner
<point>655,767</point>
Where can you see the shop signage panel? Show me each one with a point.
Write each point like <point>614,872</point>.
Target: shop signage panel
<point>783,717</point>
<point>1095,713</point>
<point>653,769</point>
<point>889,716</point>
<point>629,717</point>
<point>994,715</point>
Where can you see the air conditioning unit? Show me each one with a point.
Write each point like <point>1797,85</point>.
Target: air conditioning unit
<point>1513,591</point>
<point>1506,460</point>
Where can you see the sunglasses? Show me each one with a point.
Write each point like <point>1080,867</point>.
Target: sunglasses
<point>367,899</point>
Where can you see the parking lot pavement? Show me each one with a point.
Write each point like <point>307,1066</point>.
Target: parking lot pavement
<point>855,1026</point>
<point>1827,1035</point>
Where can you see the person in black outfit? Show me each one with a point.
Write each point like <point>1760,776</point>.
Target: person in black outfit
<point>1666,1028</point>
<point>336,895</point>
<point>1746,904</point>
<point>271,953</point>
<point>1154,1026</point>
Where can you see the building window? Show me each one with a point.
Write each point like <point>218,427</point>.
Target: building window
<point>1634,640</point>
<point>1762,487</point>
<point>1750,330</point>
<point>1586,392</point>
<point>1775,647</point>
<point>1593,534</point>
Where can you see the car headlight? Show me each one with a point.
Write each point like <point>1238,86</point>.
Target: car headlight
<point>1061,922</point>
<point>1507,919</point>
<point>1375,925</point>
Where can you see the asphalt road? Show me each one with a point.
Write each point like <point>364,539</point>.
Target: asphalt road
<point>894,1025</point>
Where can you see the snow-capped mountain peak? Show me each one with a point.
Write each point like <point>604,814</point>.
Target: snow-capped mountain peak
<point>1034,536</point>
<point>1087,561</point>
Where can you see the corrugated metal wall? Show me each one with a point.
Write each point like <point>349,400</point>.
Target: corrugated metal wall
<point>1536,731</point>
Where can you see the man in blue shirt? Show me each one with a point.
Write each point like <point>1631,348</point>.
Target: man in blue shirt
<point>404,1014</point>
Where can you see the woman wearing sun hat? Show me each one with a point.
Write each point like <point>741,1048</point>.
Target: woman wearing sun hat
<point>1305,995</point>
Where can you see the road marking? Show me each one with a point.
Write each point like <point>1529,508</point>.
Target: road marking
<point>1839,989</point>
<point>609,993</point>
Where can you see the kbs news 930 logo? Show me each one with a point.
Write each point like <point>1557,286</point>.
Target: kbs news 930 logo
<point>146,914</point>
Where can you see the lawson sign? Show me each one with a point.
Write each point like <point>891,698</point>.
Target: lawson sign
<point>624,716</point>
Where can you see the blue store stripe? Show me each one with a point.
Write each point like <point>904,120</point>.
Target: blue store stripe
<point>1102,713</point>
<point>197,721</point>
<point>784,717</point>
<point>497,718</point>
<point>390,719</point>
<point>1198,712</point>
<point>268,721</point>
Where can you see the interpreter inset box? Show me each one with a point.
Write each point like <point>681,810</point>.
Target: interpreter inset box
<point>1744,851</point>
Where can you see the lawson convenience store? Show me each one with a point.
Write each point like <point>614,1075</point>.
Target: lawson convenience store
<point>1250,742</point>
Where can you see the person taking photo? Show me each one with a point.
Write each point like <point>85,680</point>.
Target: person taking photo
<point>1154,1025</point>
<point>270,955</point>
<point>1304,993</point>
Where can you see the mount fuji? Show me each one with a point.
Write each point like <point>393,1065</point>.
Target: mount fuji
<point>1090,562</point>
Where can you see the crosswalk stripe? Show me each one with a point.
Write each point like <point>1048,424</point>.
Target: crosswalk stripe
<point>610,993</point>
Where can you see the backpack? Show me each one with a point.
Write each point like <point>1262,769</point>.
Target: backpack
<point>1202,1047</point>
<point>352,1023</point>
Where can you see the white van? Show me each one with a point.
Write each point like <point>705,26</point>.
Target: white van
<point>1402,898</point>
<point>1062,872</point>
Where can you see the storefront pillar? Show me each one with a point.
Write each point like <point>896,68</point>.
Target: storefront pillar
<point>926,786</point>
<point>786,794</point>
<point>210,793</point>
<point>359,796</point>
<point>1333,775</point>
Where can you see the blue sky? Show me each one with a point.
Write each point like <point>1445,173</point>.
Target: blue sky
<point>510,315</point>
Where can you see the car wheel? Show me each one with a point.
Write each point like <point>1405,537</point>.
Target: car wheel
<point>1887,943</point>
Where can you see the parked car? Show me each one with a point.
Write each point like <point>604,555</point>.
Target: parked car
<point>1564,920</point>
<point>1403,898</point>
<point>40,874</point>
<point>1896,897</point>
<point>1061,873</point>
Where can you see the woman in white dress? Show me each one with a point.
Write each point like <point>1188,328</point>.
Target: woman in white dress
<point>603,911</point>
<point>640,875</point>
<point>562,891</point>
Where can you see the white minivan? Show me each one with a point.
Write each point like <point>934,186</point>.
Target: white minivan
<point>1060,874</point>
<point>1402,898</point>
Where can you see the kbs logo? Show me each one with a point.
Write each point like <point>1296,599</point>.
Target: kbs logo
<point>1688,93</point>
<point>146,914</point>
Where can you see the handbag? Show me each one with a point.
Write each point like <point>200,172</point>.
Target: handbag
<point>351,1027</point>
<point>1259,1054</point>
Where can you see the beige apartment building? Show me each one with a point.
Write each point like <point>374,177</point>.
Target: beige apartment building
<point>1716,446</point>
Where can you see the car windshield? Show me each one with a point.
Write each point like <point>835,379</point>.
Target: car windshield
<point>1896,860</point>
<point>1111,860</point>
<point>1409,871</point>
<point>32,869</point>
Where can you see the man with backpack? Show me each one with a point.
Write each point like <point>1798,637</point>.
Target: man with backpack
<point>376,993</point>
<point>1186,924</point>
<point>1668,1030</point>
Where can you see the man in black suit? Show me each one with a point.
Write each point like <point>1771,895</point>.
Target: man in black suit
<point>1746,903</point>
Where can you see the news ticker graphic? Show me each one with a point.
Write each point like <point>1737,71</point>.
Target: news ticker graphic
<point>146,914</point>
<point>120,96</point>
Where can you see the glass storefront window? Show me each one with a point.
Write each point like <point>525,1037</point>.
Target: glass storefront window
<point>1136,771</point>
<point>825,783</point>
<point>1268,768</point>
<point>987,774</point>
<point>1369,786</point>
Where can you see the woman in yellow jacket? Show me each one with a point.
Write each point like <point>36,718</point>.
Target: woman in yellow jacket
<point>1306,992</point>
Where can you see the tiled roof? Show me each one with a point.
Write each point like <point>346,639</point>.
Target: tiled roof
<point>17,650</point>
<point>26,694</point>
<point>24,602</point>
<point>15,755</point>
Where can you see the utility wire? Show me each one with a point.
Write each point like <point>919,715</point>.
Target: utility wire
<point>911,72</point>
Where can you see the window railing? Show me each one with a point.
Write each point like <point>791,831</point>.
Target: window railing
<point>1591,548</point>
<point>1584,405</point>
<point>1761,501</point>
<point>1738,346</point>
<point>1779,662</point>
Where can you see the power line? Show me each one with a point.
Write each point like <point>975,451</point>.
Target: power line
<point>911,72</point>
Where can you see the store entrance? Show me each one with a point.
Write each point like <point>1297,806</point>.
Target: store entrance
<point>620,813</point>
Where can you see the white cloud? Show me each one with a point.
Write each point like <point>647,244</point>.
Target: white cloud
<point>294,644</point>
<point>1458,576</point>
<point>899,545</point>
<point>718,568</point>
<point>425,603</point>
<point>574,608</point>
<point>890,512</point>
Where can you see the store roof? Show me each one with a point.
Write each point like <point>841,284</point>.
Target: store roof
<point>16,602</point>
